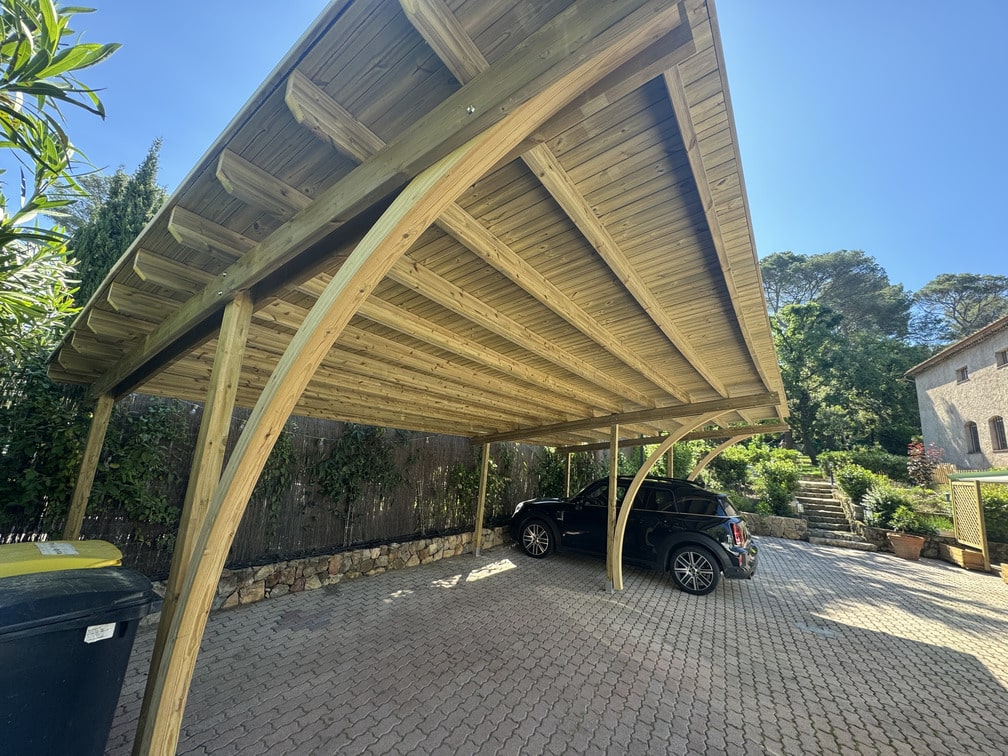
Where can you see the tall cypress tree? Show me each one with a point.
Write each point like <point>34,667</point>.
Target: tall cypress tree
<point>129,203</point>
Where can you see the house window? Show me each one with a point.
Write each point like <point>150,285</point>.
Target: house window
<point>997,431</point>
<point>962,374</point>
<point>972,438</point>
<point>1002,358</point>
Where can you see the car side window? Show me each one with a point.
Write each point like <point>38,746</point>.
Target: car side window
<point>664,500</point>
<point>697,505</point>
<point>599,496</point>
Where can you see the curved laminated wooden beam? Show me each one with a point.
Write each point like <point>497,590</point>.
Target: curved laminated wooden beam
<point>409,215</point>
<point>635,484</point>
<point>709,457</point>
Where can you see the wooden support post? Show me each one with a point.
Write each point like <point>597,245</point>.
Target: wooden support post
<point>611,569</point>
<point>670,461</point>
<point>481,501</point>
<point>567,482</point>
<point>89,464</point>
<point>208,459</point>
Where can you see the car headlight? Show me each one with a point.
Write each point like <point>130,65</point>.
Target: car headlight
<point>518,508</point>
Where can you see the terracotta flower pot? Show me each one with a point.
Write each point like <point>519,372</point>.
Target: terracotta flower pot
<point>905,545</point>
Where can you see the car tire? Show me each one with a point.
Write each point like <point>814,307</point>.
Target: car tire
<point>694,570</point>
<point>536,539</point>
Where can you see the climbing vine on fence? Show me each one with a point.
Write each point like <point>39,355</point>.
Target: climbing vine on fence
<point>279,473</point>
<point>144,463</point>
<point>362,456</point>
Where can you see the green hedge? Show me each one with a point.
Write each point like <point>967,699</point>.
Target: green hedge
<point>875,459</point>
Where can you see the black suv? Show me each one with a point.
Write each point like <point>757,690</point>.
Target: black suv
<point>675,525</point>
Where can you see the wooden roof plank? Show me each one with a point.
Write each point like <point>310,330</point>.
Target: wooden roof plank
<point>560,60</point>
<point>445,35</point>
<point>454,298</point>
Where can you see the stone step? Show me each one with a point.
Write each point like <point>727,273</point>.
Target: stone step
<point>819,517</point>
<point>826,493</point>
<point>827,523</point>
<point>825,511</point>
<point>818,501</point>
<point>834,533</point>
<point>829,505</point>
<point>843,543</point>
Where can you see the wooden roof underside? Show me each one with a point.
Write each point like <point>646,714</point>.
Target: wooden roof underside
<point>603,270</point>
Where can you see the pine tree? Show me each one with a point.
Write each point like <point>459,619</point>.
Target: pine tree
<point>130,202</point>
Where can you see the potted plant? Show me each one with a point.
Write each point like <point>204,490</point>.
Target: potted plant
<point>906,533</point>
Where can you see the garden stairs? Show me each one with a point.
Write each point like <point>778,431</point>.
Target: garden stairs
<point>827,522</point>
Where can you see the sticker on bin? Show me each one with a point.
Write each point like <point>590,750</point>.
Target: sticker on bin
<point>97,633</point>
<point>56,548</point>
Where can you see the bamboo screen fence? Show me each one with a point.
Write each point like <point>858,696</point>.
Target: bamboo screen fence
<point>435,494</point>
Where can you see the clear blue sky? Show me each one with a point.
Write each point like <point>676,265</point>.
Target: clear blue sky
<point>867,125</point>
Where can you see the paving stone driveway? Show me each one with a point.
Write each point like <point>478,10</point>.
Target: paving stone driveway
<point>825,651</point>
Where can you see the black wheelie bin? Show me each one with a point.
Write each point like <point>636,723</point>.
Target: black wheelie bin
<point>65,641</point>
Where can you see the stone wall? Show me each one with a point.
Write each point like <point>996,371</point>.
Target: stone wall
<point>251,584</point>
<point>794,528</point>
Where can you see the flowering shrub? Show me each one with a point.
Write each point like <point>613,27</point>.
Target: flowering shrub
<point>922,462</point>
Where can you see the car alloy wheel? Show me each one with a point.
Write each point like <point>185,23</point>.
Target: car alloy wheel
<point>536,539</point>
<point>694,570</point>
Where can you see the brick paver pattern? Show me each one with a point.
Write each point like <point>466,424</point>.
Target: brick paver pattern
<point>825,651</point>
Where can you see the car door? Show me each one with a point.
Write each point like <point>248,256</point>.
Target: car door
<point>645,530</point>
<point>584,525</point>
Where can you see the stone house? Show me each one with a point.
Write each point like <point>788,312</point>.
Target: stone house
<point>963,396</point>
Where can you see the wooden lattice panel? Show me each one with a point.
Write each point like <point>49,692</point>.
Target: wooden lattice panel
<point>967,516</point>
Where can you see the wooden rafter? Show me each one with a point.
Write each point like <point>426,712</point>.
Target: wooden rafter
<point>169,274</point>
<point>680,105</point>
<point>139,304</point>
<point>415,276</point>
<point>324,116</point>
<point>255,186</point>
<point>390,316</point>
<point>608,35</point>
<point>463,58</point>
<point>478,239</point>
<point>193,231</point>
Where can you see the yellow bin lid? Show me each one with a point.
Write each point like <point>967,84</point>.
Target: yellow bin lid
<point>49,556</point>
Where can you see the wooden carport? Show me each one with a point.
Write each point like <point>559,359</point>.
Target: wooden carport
<point>511,220</point>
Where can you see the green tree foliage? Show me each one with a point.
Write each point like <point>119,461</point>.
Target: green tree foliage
<point>954,305</point>
<point>42,431</point>
<point>130,202</point>
<point>810,351</point>
<point>848,282</point>
<point>43,425</point>
<point>844,389</point>
<point>38,66</point>
<point>731,468</point>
